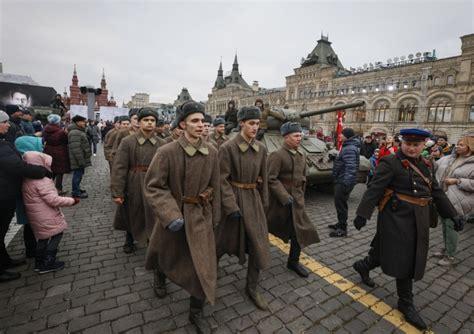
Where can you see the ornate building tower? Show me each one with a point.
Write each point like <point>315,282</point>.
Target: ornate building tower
<point>76,98</point>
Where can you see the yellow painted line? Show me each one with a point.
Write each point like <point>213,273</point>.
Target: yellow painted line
<point>355,292</point>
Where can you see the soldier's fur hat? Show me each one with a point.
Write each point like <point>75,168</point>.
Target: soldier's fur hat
<point>218,121</point>
<point>290,127</point>
<point>188,108</point>
<point>246,113</point>
<point>145,112</point>
<point>207,119</point>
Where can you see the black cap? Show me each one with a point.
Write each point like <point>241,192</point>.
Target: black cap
<point>246,113</point>
<point>78,118</point>
<point>11,109</point>
<point>218,121</point>
<point>348,132</point>
<point>116,119</point>
<point>124,118</point>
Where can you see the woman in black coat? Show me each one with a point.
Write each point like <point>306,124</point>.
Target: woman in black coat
<point>12,171</point>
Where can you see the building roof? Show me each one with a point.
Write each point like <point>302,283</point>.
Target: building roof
<point>18,79</point>
<point>182,97</point>
<point>323,53</point>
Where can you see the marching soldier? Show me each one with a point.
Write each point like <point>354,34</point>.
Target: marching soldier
<point>122,133</point>
<point>219,137</point>
<point>243,168</point>
<point>404,189</point>
<point>107,146</point>
<point>127,181</point>
<point>176,132</point>
<point>182,186</point>
<point>160,129</point>
<point>207,128</point>
<point>286,214</point>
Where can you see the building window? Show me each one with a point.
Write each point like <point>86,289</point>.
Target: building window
<point>440,110</point>
<point>437,81</point>
<point>381,112</point>
<point>407,111</point>
<point>450,79</point>
<point>471,113</point>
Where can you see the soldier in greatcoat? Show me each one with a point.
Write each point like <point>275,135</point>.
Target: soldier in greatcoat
<point>206,135</point>
<point>127,180</point>
<point>182,186</point>
<point>243,167</point>
<point>160,129</point>
<point>108,145</point>
<point>286,214</point>
<point>404,189</point>
<point>125,132</point>
<point>176,132</point>
<point>219,137</point>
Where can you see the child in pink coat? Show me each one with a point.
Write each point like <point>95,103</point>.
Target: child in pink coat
<point>42,204</point>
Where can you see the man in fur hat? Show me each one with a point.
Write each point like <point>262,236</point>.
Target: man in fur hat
<point>219,137</point>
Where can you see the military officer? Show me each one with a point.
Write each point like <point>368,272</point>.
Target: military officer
<point>182,186</point>
<point>286,214</point>
<point>404,189</point>
<point>127,181</point>
<point>243,168</point>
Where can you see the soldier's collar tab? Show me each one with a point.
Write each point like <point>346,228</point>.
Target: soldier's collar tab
<point>190,149</point>
<point>244,146</point>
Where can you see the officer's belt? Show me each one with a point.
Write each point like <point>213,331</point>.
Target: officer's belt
<point>246,185</point>
<point>139,168</point>
<point>292,183</point>
<point>420,201</point>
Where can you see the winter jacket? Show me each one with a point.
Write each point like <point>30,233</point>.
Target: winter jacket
<point>93,133</point>
<point>42,201</point>
<point>79,148</point>
<point>12,171</point>
<point>346,166</point>
<point>461,195</point>
<point>56,145</point>
<point>367,149</point>
<point>27,128</point>
<point>14,131</point>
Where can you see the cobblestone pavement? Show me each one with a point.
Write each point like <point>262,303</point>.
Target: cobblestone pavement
<point>103,290</point>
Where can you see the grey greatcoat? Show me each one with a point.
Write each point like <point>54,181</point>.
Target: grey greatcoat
<point>187,257</point>
<point>402,237</point>
<point>245,164</point>
<point>287,177</point>
<point>79,148</point>
<point>127,181</point>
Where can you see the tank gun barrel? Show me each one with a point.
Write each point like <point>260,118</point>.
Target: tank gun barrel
<point>331,109</point>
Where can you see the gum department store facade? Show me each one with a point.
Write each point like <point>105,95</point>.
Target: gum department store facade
<point>417,90</point>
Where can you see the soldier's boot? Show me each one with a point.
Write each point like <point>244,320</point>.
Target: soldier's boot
<point>405,303</point>
<point>129,246</point>
<point>335,226</point>
<point>339,232</point>
<point>363,267</point>
<point>251,287</point>
<point>159,284</point>
<point>196,316</point>
<point>294,258</point>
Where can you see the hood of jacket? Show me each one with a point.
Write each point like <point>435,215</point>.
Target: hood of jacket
<point>38,158</point>
<point>28,143</point>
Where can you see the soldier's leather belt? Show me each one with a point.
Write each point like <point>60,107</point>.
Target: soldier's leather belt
<point>139,168</point>
<point>204,198</point>
<point>420,201</point>
<point>292,183</point>
<point>191,200</point>
<point>247,185</point>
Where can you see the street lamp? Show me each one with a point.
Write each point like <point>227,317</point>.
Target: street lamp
<point>91,94</point>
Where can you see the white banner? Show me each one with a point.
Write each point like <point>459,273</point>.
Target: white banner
<point>108,113</point>
<point>78,110</point>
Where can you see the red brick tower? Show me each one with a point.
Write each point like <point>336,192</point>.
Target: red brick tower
<point>75,96</point>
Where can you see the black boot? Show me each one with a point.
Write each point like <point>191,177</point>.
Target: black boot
<point>50,264</point>
<point>335,226</point>
<point>339,232</point>
<point>196,316</point>
<point>129,246</point>
<point>363,267</point>
<point>294,257</point>
<point>405,303</point>
<point>159,285</point>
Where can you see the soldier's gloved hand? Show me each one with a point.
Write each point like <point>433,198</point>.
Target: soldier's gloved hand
<point>290,200</point>
<point>359,222</point>
<point>176,225</point>
<point>235,215</point>
<point>458,223</point>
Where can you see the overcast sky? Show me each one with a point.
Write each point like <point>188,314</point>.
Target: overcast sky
<point>158,47</point>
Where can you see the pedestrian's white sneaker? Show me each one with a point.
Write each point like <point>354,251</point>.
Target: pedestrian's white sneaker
<point>95,154</point>
<point>446,261</point>
<point>439,254</point>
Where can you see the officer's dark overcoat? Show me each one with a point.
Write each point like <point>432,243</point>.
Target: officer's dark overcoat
<point>402,236</point>
<point>287,177</point>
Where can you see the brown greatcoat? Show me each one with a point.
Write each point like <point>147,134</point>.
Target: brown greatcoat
<point>171,138</point>
<point>287,177</point>
<point>244,163</point>
<point>128,179</point>
<point>187,257</point>
<point>109,143</point>
<point>218,140</point>
<point>121,134</point>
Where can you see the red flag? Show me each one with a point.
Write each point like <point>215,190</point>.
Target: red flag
<point>339,128</point>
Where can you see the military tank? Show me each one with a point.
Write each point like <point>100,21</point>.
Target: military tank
<point>319,154</point>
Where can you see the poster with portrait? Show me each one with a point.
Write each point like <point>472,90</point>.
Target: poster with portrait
<point>25,95</point>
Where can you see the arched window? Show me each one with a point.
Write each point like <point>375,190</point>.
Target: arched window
<point>407,110</point>
<point>440,110</point>
<point>359,114</point>
<point>381,111</point>
<point>450,79</point>
<point>437,81</point>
